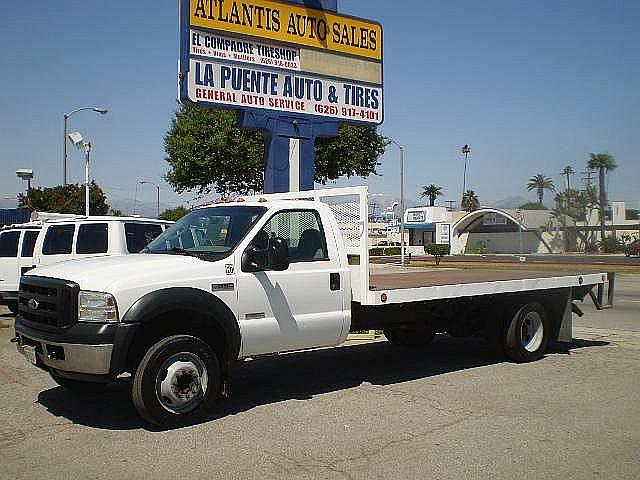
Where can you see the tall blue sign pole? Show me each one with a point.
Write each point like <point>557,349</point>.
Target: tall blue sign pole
<point>290,154</point>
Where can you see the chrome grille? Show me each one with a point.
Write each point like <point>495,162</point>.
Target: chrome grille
<point>48,303</point>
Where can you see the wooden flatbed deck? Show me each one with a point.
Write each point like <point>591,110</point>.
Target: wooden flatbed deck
<point>391,280</point>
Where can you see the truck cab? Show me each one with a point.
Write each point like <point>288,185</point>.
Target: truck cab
<point>232,280</point>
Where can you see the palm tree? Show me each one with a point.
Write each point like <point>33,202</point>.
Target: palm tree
<point>604,163</point>
<point>540,183</point>
<point>470,201</point>
<point>567,172</point>
<point>431,192</point>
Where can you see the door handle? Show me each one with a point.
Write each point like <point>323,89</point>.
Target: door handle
<point>334,281</point>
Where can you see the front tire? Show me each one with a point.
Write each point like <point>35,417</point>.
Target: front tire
<point>410,337</point>
<point>177,382</point>
<point>526,334</point>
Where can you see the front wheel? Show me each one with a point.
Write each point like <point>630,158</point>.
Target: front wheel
<point>526,334</point>
<point>177,382</point>
<point>410,337</point>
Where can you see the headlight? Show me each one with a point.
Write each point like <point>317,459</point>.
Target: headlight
<point>97,307</point>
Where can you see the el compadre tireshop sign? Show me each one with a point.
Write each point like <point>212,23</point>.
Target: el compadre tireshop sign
<point>282,57</point>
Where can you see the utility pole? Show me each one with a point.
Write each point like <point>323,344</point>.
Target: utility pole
<point>567,172</point>
<point>587,178</point>
<point>374,207</point>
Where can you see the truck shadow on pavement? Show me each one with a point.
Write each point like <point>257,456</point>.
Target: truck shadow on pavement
<point>297,376</point>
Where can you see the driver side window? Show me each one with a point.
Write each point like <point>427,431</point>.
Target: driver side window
<point>302,230</point>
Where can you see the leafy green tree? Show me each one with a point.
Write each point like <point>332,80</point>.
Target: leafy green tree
<point>540,183</point>
<point>437,250</point>
<point>572,206</point>
<point>604,163</point>
<point>66,199</point>
<point>115,212</point>
<point>470,201</point>
<point>206,150</point>
<point>431,192</point>
<point>174,214</point>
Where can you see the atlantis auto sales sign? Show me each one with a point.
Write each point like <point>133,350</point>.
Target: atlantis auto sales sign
<point>262,54</point>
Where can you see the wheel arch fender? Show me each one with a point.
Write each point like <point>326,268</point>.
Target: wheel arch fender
<point>187,301</point>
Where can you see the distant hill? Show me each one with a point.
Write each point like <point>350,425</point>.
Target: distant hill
<point>509,202</point>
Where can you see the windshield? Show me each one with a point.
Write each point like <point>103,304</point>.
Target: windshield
<point>207,232</point>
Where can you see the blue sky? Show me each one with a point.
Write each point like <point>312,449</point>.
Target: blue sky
<point>531,86</point>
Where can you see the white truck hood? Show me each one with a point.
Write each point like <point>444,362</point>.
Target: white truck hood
<point>118,273</point>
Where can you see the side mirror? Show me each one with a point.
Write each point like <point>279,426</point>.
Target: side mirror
<point>254,260</point>
<point>275,257</point>
<point>277,254</point>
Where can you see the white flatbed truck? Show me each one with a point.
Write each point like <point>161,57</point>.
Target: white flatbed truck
<point>258,276</point>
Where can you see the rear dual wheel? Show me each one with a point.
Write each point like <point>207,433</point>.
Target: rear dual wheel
<point>525,335</point>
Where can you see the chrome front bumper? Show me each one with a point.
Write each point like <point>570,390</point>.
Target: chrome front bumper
<point>67,357</point>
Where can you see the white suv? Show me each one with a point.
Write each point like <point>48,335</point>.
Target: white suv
<point>16,256</point>
<point>23,247</point>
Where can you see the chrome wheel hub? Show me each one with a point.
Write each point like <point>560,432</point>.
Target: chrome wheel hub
<point>181,383</point>
<point>531,332</point>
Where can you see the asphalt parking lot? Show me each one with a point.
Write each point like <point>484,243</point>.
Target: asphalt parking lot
<point>360,411</point>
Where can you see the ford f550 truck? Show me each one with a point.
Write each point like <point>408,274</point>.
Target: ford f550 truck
<point>259,276</point>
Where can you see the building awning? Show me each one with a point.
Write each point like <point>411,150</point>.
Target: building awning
<point>420,226</point>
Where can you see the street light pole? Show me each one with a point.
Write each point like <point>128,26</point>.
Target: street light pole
<point>87,151</point>
<point>26,174</point>
<point>401,199</point>
<point>142,182</point>
<point>100,110</point>
<point>466,150</point>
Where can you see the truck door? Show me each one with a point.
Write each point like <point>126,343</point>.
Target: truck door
<point>300,307</point>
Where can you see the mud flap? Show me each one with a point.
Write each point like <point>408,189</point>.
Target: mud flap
<point>565,333</point>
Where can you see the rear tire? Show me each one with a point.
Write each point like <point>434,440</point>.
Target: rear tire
<point>410,337</point>
<point>78,386</point>
<point>526,334</point>
<point>177,382</point>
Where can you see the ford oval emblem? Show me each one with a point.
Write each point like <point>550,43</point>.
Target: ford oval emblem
<point>33,304</point>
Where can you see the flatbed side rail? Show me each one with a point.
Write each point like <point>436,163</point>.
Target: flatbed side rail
<point>350,207</point>
<point>458,290</point>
